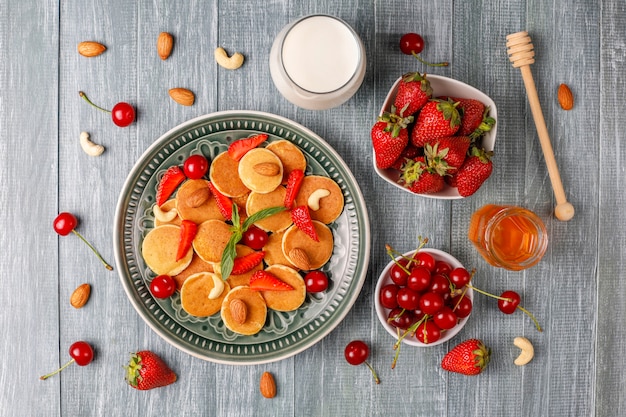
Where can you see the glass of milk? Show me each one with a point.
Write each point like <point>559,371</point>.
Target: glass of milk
<point>317,62</point>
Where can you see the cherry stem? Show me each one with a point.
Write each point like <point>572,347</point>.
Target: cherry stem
<point>411,329</point>
<point>438,64</point>
<point>393,254</point>
<point>529,314</point>
<point>44,377</point>
<point>106,265</point>
<point>84,96</point>
<point>460,298</point>
<point>490,295</point>
<point>376,379</point>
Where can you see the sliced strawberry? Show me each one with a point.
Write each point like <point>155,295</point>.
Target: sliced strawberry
<point>302,219</point>
<point>238,148</point>
<point>293,186</point>
<point>265,281</point>
<point>188,231</point>
<point>224,204</point>
<point>243,264</point>
<point>173,177</point>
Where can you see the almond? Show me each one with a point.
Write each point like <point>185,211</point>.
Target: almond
<point>267,385</point>
<point>300,259</point>
<point>91,49</point>
<point>267,169</point>
<point>165,43</point>
<point>182,96</point>
<point>238,310</point>
<point>565,97</point>
<point>80,296</point>
<point>198,197</point>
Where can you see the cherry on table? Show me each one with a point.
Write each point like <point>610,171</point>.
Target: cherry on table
<point>123,114</point>
<point>509,301</point>
<point>356,353</point>
<point>81,352</point>
<point>413,44</point>
<point>65,223</point>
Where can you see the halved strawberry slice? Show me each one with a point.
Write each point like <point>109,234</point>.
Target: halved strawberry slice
<point>294,181</point>
<point>188,231</point>
<point>173,177</point>
<point>238,148</point>
<point>302,219</point>
<point>224,204</point>
<point>265,281</point>
<point>243,264</point>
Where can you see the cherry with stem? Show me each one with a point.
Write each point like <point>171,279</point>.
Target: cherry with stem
<point>122,114</point>
<point>508,302</point>
<point>413,44</point>
<point>356,353</point>
<point>81,353</point>
<point>65,223</point>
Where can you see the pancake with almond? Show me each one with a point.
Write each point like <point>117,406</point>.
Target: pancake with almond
<point>257,202</point>
<point>290,155</point>
<point>274,250</point>
<point>224,175</point>
<point>323,196</point>
<point>159,250</point>
<point>317,253</point>
<point>260,170</point>
<point>196,295</point>
<point>285,300</point>
<point>253,320</point>
<point>194,202</point>
<point>211,239</point>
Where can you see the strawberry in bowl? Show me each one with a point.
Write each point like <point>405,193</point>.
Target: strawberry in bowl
<point>435,137</point>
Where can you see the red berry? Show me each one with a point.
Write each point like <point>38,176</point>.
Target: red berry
<point>442,267</point>
<point>356,352</point>
<point>316,281</point>
<point>64,223</point>
<point>195,167</point>
<point>411,43</point>
<point>431,303</point>
<point>439,284</point>
<point>428,332</point>
<point>419,279</point>
<point>81,352</point>
<point>255,238</point>
<point>445,318</point>
<point>509,305</point>
<point>462,306</point>
<point>398,274</point>
<point>123,114</point>
<point>460,277</point>
<point>388,296</point>
<point>425,259</point>
<point>163,286</point>
<point>400,318</point>
<point>408,299</point>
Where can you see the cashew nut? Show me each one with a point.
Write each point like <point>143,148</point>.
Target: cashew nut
<point>232,63</point>
<point>314,199</point>
<point>164,216</point>
<point>527,352</point>
<point>218,287</point>
<point>90,148</point>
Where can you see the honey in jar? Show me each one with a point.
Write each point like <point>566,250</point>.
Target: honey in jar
<point>509,237</point>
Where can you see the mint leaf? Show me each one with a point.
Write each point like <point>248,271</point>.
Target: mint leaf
<point>260,215</point>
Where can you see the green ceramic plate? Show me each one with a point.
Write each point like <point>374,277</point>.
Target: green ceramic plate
<point>284,334</point>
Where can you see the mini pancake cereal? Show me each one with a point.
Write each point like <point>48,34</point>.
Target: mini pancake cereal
<point>253,180</point>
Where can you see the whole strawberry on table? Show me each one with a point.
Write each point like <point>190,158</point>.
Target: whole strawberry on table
<point>433,141</point>
<point>146,370</point>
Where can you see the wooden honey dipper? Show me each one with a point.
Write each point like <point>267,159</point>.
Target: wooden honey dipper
<point>521,54</point>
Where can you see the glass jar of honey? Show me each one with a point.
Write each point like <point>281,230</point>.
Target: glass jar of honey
<point>508,237</point>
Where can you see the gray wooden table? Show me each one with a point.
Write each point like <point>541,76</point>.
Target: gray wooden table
<point>575,291</point>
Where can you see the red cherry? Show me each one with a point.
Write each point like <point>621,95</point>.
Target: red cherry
<point>411,43</point>
<point>460,277</point>
<point>425,259</point>
<point>255,238</point>
<point>439,284</point>
<point>428,332</point>
<point>356,353</point>
<point>163,286</point>
<point>462,306</point>
<point>316,281</point>
<point>65,223</point>
<point>445,318</point>
<point>408,299</point>
<point>80,352</point>
<point>431,303</point>
<point>419,278</point>
<point>442,267</point>
<point>400,318</point>
<point>195,167</point>
<point>387,296</point>
<point>398,274</point>
<point>123,114</point>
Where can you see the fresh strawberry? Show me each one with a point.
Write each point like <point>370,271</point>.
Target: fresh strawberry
<point>188,231</point>
<point>475,120</point>
<point>294,181</point>
<point>146,370</point>
<point>474,172</point>
<point>265,281</point>
<point>302,219</point>
<point>418,177</point>
<point>437,119</point>
<point>173,177</point>
<point>448,153</point>
<point>238,148</point>
<point>468,358</point>
<point>224,204</point>
<point>414,91</point>
<point>389,138</point>
<point>243,264</point>
<point>409,152</point>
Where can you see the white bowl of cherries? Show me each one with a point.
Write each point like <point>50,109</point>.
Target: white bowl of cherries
<point>422,297</point>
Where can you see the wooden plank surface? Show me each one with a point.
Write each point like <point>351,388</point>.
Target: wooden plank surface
<point>574,291</point>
